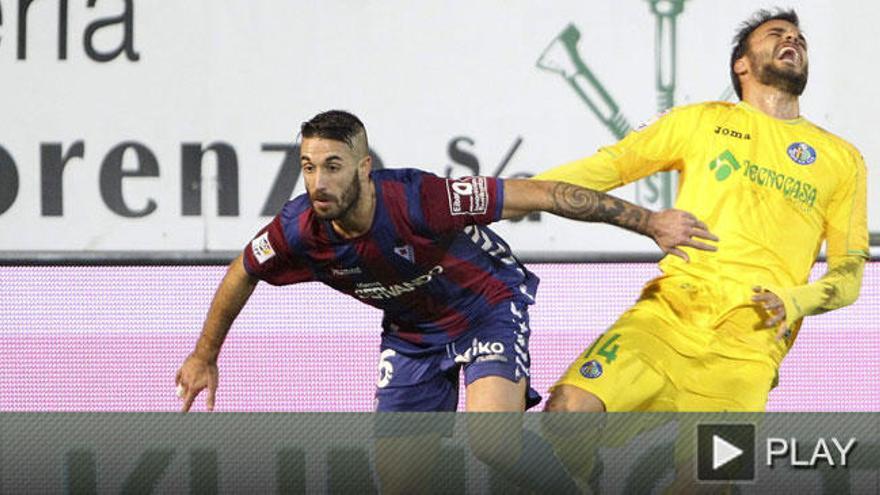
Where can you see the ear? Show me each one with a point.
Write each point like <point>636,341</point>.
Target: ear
<point>741,66</point>
<point>366,165</point>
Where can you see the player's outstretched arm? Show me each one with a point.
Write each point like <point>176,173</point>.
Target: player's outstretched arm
<point>199,370</point>
<point>671,229</point>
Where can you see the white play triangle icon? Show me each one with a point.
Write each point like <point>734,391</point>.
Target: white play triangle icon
<point>723,452</point>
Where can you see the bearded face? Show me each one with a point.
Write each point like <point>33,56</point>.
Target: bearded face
<point>331,173</point>
<point>329,206</point>
<point>777,57</point>
<point>779,72</point>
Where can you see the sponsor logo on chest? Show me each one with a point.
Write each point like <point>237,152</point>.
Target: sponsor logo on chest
<point>791,186</point>
<point>376,290</point>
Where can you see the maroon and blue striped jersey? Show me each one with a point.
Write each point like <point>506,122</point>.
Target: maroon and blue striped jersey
<point>428,261</point>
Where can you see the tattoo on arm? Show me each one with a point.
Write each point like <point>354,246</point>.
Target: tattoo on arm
<point>588,205</point>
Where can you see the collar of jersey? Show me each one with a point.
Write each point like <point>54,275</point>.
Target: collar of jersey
<point>750,108</point>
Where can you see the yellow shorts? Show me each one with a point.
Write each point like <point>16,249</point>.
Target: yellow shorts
<point>679,349</point>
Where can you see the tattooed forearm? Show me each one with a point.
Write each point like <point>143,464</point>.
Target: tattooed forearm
<point>587,205</point>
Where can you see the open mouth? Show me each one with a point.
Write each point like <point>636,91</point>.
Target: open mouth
<point>789,54</point>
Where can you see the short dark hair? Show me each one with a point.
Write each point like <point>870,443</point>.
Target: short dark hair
<point>337,125</point>
<point>741,40</point>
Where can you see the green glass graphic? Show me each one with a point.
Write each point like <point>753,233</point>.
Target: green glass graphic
<point>728,94</point>
<point>666,13</point>
<point>562,57</point>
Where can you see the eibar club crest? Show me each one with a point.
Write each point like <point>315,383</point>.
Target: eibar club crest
<point>406,251</point>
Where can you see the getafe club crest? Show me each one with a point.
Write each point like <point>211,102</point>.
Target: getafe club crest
<point>591,369</point>
<point>802,153</point>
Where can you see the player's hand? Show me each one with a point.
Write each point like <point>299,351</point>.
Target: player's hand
<point>672,229</point>
<point>195,375</point>
<point>775,309</point>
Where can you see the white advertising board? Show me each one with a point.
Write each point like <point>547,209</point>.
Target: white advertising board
<point>169,126</point>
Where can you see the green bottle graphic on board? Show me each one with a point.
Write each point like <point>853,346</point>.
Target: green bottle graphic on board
<point>563,57</point>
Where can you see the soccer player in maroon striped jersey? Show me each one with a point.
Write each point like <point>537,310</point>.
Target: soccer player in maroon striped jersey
<point>415,245</point>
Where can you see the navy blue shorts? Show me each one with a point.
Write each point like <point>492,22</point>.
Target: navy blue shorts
<point>413,378</point>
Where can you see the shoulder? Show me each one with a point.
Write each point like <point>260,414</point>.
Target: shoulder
<point>298,220</point>
<point>836,142</point>
<point>706,109</point>
<point>692,112</point>
<point>404,182</point>
<point>404,175</point>
<point>294,209</point>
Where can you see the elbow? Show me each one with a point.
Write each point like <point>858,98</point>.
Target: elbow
<point>840,297</point>
<point>844,283</point>
<point>853,287</point>
<point>849,297</point>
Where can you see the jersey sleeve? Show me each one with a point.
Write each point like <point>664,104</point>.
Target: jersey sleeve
<point>846,223</point>
<point>655,147</point>
<point>451,204</point>
<point>269,257</point>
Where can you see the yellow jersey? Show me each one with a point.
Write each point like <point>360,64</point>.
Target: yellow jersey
<point>772,190</point>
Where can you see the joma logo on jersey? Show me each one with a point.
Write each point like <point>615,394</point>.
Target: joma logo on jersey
<point>375,290</point>
<point>726,131</point>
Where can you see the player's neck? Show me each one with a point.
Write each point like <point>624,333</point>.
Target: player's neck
<point>359,219</point>
<point>773,102</point>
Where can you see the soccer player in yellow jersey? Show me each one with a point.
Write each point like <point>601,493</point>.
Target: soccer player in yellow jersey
<point>710,333</point>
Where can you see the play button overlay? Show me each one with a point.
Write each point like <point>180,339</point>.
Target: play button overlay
<point>723,452</point>
<point>726,452</point>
